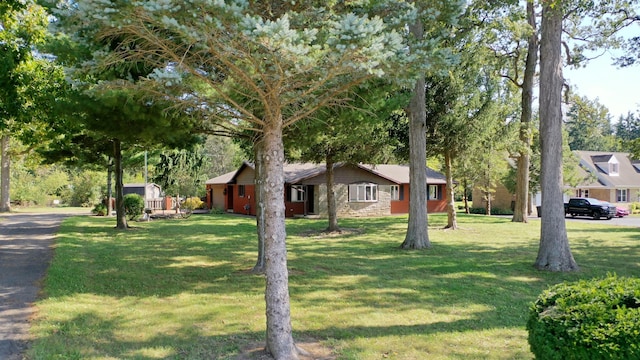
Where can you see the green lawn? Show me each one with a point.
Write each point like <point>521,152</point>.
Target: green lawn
<point>180,289</point>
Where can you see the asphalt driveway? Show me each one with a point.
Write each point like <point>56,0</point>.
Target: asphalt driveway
<point>25,253</point>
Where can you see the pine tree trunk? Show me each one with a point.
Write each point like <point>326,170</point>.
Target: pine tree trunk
<point>109,186</point>
<point>5,174</point>
<point>554,253</point>
<point>331,196</point>
<point>452,222</point>
<point>259,267</point>
<point>521,210</point>
<point>121,216</point>
<point>279,337</point>
<point>417,236</point>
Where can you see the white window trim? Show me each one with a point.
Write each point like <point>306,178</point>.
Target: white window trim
<point>395,192</point>
<point>297,193</point>
<point>361,193</point>
<point>622,195</point>
<point>437,192</point>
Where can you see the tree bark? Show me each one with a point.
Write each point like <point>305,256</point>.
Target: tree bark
<point>109,186</point>
<point>5,174</point>
<point>331,196</point>
<point>259,267</point>
<point>521,210</point>
<point>417,236</point>
<point>279,337</point>
<point>554,253</point>
<point>466,196</point>
<point>121,216</point>
<point>452,222</point>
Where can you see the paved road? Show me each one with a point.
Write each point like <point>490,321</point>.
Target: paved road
<point>25,253</point>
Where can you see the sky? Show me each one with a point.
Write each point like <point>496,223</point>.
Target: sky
<point>616,88</point>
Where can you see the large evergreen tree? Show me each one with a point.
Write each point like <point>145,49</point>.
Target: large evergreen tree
<point>251,67</point>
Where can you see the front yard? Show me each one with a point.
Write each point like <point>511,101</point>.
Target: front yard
<point>181,289</point>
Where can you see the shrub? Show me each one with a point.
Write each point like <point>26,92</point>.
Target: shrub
<point>595,319</point>
<point>635,208</point>
<point>133,205</point>
<point>494,211</point>
<point>100,210</point>
<point>191,204</point>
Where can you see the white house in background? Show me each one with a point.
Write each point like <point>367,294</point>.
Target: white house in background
<point>608,176</point>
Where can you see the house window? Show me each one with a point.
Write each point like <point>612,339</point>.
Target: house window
<point>613,167</point>
<point>621,195</point>
<point>434,192</point>
<point>582,193</point>
<point>364,192</point>
<point>395,192</point>
<point>241,190</point>
<point>297,193</point>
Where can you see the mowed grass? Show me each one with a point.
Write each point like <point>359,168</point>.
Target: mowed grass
<point>181,289</point>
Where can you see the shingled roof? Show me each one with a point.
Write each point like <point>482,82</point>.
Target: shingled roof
<point>594,165</point>
<point>297,172</point>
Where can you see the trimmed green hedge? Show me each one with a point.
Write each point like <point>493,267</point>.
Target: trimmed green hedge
<point>494,211</point>
<point>595,319</point>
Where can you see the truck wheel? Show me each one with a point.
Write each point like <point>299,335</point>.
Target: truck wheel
<point>573,215</point>
<point>596,215</point>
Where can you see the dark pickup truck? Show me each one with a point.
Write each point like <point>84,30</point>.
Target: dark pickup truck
<point>589,207</point>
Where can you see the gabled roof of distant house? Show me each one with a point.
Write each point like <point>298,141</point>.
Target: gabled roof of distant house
<point>222,179</point>
<point>597,168</point>
<point>298,172</point>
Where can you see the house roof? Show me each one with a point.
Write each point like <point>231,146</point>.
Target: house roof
<point>594,166</point>
<point>222,179</point>
<point>400,173</point>
<point>298,172</point>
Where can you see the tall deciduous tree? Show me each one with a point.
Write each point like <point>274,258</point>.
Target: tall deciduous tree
<point>522,197</point>
<point>262,71</point>
<point>22,26</point>
<point>554,253</point>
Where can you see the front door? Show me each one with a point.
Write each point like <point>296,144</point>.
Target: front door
<point>309,199</point>
<point>229,197</point>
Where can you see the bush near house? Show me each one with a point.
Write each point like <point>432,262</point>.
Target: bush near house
<point>191,204</point>
<point>133,205</point>
<point>100,210</point>
<point>588,319</point>
<point>635,208</point>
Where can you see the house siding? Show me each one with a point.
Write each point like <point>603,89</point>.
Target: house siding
<point>502,198</point>
<point>354,209</point>
<point>216,197</point>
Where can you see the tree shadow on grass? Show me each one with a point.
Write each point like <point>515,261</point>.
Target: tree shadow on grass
<point>335,284</point>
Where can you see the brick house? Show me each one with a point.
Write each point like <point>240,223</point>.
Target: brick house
<point>361,190</point>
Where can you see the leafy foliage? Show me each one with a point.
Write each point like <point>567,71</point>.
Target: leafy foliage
<point>589,125</point>
<point>191,204</point>
<point>588,319</point>
<point>133,205</point>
